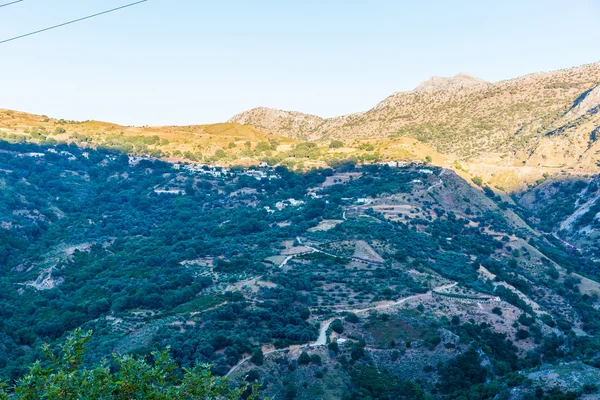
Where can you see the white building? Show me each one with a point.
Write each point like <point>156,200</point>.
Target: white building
<point>288,203</point>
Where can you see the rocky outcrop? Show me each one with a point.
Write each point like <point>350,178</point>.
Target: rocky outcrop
<point>286,123</point>
<point>457,82</point>
<point>587,102</point>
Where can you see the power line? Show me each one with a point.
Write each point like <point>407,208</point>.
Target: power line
<point>72,22</point>
<point>8,4</point>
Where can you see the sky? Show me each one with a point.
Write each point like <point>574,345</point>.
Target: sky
<point>179,62</point>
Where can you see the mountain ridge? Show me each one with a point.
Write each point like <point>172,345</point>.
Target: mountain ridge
<point>486,117</point>
<point>509,133</point>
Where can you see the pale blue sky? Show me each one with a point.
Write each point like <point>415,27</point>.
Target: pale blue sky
<point>193,61</point>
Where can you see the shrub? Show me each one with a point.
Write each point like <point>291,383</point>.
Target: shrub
<point>65,376</point>
<point>590,388</point>
<point>336,144</point>
<point>337,326</point>
<point>352,318</point>
<point>333,346</point>
<point>316,359</point>
<point>304,358</point>
<point>258,358</point>
<point>522,334</point>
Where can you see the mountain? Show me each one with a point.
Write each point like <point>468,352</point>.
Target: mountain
<point>443,244</point>
<point>508,134</point>
<point>272,120</point>
<point>517,121</point>
<point>230,144</point>
<point>458,82</point>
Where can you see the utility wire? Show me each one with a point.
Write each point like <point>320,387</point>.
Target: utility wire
<point>71,22</point>
<point>8,4</point>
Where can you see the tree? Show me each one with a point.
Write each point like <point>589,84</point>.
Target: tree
<point>351,317</point>
<point>590,388</point>
<point>304,358</point>
<point>336,144</point>
<point>333,346</point>
<point>262,146</point>
<point>478,180</point>
<point>522,334</point>
<point>65,377</point>
<point>258,358</point>
<point>337,326</point>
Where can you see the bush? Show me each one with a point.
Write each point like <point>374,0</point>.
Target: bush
<point>590,388</point>
<point>478,180</point>
<point>547,319</point>
<point>564,325</point>
<point>258,358</point>
<point>66,377</point>
<point>352,318</point>
<point>522,334</point>
<point>333,346</point>
<point>336,144</point>
<point>337,326</point>
<point>304,358</point>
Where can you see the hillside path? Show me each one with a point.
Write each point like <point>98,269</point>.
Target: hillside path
<point>322,339</point>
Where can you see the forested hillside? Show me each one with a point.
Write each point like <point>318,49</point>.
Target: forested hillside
<point>350,282</point>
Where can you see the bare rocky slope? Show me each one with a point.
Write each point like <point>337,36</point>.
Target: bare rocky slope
<point>543,118</point>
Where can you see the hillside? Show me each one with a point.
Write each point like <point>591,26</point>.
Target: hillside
<point>510,134</point>
<point>363,280</point>
<point>539,119</point>
<point>225,144</point>
<point>212,143</point>
<point>442,245</point>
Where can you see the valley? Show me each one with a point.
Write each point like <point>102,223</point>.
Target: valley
<point>360,278</point>
<point>442,245</point>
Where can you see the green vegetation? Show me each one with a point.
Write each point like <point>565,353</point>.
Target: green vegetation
<point>336,144</point>
<point>64,376</point>
<point>219,265</point>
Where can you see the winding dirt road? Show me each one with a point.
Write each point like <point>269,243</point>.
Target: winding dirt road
<point>322,339</point>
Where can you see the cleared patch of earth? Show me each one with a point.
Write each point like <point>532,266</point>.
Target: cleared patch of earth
<point>365,252</point>
<point>326,225</point>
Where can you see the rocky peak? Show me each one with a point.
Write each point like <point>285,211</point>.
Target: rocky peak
<point>458,81</point>
<point>280,122</point>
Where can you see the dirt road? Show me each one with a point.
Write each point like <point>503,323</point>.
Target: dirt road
<point>322,339</point>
